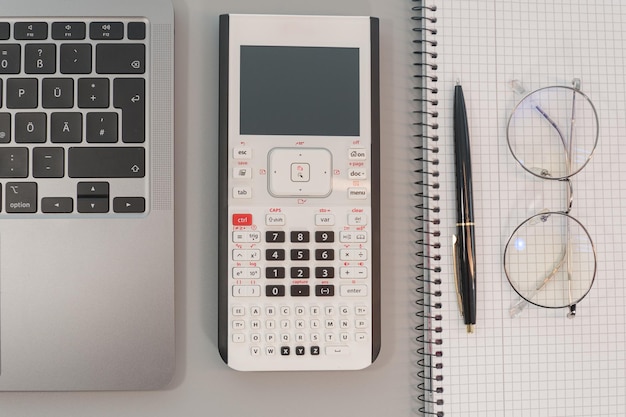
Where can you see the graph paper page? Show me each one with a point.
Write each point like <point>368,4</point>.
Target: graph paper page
<point>539,363</point>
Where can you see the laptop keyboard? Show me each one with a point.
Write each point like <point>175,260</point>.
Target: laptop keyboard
<point>73,137</point>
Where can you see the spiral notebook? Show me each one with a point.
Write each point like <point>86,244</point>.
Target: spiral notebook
<point>540,362</point>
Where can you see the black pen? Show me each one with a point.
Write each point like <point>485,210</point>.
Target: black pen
<point>464,254</point>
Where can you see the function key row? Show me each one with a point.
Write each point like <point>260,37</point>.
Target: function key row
<point>73,31</point>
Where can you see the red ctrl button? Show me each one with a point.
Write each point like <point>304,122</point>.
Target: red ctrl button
<point>242,219</point>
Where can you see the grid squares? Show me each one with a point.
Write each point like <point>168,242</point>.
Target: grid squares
<point>541,363</point>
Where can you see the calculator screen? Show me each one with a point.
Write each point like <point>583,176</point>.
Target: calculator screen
<point>309,91</point>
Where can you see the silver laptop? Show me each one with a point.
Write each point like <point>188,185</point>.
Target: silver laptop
<point>86,195</point>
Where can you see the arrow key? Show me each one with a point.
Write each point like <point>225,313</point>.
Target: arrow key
<point>129,204</point>
<point>57,204</point>
<point>93,205</point>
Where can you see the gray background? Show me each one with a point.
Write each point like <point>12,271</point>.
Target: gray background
<point>203,385</point>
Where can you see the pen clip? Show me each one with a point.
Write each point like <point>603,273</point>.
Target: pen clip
<point>455,265</point>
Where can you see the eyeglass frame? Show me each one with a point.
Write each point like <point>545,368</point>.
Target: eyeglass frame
<point>544,174</point>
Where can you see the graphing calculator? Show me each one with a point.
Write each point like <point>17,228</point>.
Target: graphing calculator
<point>299,134</point>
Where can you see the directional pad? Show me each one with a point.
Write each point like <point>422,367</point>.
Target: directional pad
<point>300,172</point>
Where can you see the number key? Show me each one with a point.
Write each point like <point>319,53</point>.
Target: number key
<point>324,272</point>
<point>272,236</point>
<point>10,58</point>
<point>299,237</point>
<point>300,255</point>
<point>300,272</point>
<point>275,254</point>
<point>275,291</point>
<point>324,237</point>
<point>324,254</point>
<point>275,272</point>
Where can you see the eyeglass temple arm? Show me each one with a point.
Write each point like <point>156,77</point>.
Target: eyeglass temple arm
<point>519,306</point>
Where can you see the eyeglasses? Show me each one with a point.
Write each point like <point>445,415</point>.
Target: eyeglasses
<point>550,258</point>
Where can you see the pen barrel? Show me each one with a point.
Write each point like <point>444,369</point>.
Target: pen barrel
<point>466,264</point>
<point>466,256</point>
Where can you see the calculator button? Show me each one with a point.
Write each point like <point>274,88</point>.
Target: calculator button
<point>242,219</point>
<point>324,220</point>
<point>360,310</point>
<point>357,174</point>
<point>300,254</point>
<point>324,254</point>
<point>274,236</point>
<point>300,172</point>
<point>246,237</point>
<point>357,193</point>
<point>300,291</point>
<point>324,290</point>
<point>357,154</point>
<point>324,237</point>
<point>242,192</point>
<point>300,350</point>
<point>353,254</point>
<point>275,220</point>
<point>324,272</point>
<point>299,237</point>
<point>275,272</point>
<point>357,219</point>
<point>285,350</point>
<point>352,237</point>
<point>246,255</point>
<point>337,350</point>
<point>300,272</point>
<point>353,290</point>
<point>242,173</point>
<point>242,153</point>
<point>275,291</point>
<point>246,291</point>
<point>315,350</point>
<point>275,254</point>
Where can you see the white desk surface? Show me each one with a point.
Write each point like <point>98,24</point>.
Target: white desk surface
<point>203,384</point>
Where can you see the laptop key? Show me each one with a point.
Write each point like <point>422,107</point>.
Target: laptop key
<point>40,58</point>
<point>30,31</point>
<point>10,59</point>
<point>129,205</point>
<point>122,58</point>
<point>30,127</point>
<point>57,93</point>
<point>21,197</point>
<point>75,58</point>
<point>48,162</point>
<point>129,95</point>
<point>22,93</point>
<point>93,93</point>
<point>13,162</point>
<point>57,204</point>
<point>106,162</point>
<point>5,127</point>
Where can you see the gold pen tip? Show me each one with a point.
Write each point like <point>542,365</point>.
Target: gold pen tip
<point>470,328</point>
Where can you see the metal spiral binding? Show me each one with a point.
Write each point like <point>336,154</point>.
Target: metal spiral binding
<point>428,266</point>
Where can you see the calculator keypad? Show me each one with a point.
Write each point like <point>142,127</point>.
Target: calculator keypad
<point>300,292</point>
